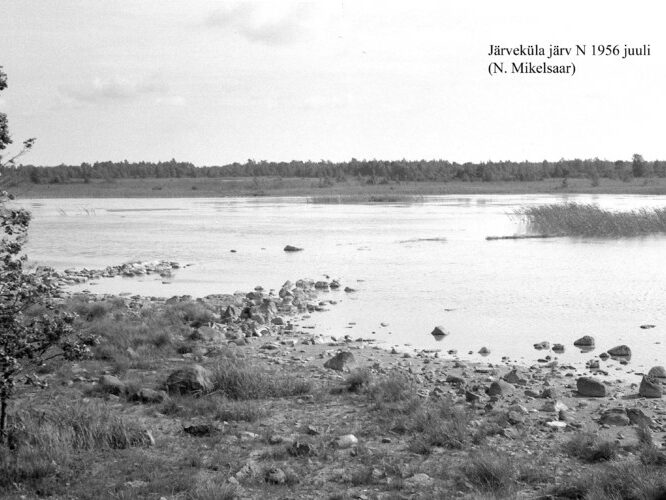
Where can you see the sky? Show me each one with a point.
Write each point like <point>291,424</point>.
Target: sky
<point>226,81</point>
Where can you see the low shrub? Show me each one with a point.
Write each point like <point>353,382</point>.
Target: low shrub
<point>630,481</point>
<point>590,448</point>
<point>358,379</point>
<point>191,312</point>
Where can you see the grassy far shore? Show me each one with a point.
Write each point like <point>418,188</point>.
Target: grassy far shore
<point>296,186</point>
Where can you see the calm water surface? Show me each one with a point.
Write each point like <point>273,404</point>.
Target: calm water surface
<point>414,266</point>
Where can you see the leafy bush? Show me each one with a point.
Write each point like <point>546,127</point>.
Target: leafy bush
<point>358,380</point>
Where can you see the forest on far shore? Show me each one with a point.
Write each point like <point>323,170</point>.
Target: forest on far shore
<point>372,171</point>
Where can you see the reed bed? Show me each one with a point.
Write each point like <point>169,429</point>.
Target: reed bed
<point>574,219</point>
<point>365,198</point>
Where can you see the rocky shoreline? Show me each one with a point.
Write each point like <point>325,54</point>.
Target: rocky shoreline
<point>339,439</point>
<point>270,325</point>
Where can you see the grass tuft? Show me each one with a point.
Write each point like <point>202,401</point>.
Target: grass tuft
<point>236,379</point>
<point>590,448</point>
<point>490,472</point>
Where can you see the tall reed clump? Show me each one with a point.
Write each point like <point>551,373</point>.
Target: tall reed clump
<point>574,219</point>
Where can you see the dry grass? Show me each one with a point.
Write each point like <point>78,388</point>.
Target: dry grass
<point>237,379</point>
<point>590,448</point>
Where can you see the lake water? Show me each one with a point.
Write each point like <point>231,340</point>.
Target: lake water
<point>414,266</point>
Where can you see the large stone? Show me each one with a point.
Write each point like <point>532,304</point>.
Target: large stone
<point>418,481</point>
<point>210,334</point>
<point>346,441</point>
<point>639,418</point>
<point>657,372</point>
<point>112,385</point>
<point>590,387</point>
<point>514,378</point>
<point>620,350</point>
<point>341,361</point>
<point>276,476</point>
<point>500,388</point>
<point>650,388</point>
<point>230,313</point>
<point>554,406</point>
<point>614,416</point>
<point>439,331</point>
<point>194,379</point>
<point>148,396</point>
<point>585,341</point>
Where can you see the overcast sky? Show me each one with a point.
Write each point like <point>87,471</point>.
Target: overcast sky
<point>218,82</point>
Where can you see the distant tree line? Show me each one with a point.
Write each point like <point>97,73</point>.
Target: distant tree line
<point>371,171</point>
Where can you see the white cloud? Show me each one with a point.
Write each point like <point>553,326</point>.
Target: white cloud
<point>114,89</point>
<point>171,100</point>
<point>259,22</point>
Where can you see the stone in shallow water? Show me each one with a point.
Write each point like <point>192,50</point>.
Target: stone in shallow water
<point>439,331</point>
<point>585,341</point>
<point>620,350</point>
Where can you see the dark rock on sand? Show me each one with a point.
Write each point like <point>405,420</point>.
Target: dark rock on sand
<point>500,388</point>
<point>614,416</point>
<point>590,387</point>
<point>650,388</point>
<point>658,372</point>
<point>639,418</point>
<point>340,361</point>
<point>291,248</point>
